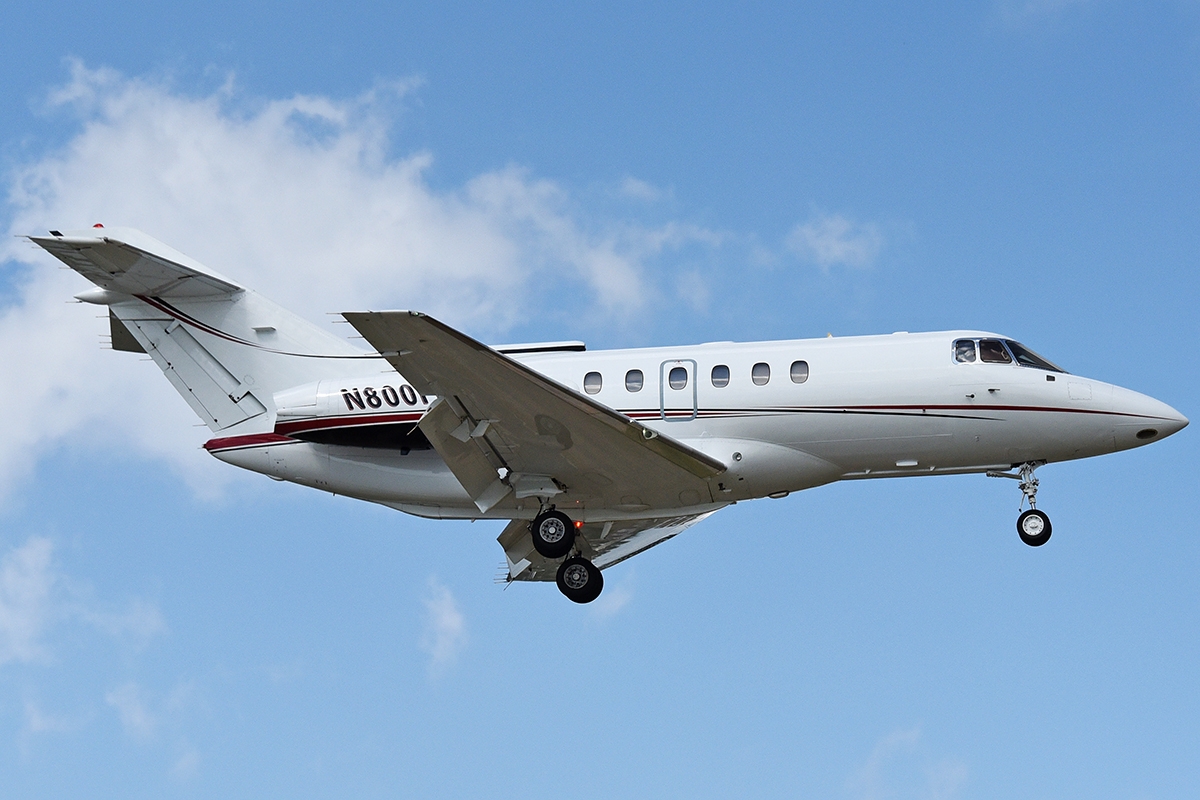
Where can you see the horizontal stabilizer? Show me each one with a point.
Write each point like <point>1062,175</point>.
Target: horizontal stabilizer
<point>130,262</point>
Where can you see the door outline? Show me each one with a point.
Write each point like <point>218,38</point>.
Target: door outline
<point>663,370</point>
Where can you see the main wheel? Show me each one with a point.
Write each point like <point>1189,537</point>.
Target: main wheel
<point>580,580</point>
<point>1033,527</point>
<point>553,534</point>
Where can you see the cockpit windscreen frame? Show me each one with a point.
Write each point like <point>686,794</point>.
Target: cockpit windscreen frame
<point>1000,351</point>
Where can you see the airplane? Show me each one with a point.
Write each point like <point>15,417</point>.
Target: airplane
<point>591,456</point>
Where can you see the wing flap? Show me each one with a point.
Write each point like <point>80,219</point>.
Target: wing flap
<point>605,543</point>
<point>519,420</point>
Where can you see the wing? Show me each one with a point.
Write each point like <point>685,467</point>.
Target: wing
<point>130,262</point>
<point>510,433</point>
<point>604,543</point>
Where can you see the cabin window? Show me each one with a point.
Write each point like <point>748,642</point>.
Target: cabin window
<point>799,371</point>
<point>760,373</point>
<point>964,351</point>
<point>634,380</point>
<point>992,351</point>
<point>720,376</point>
<point>677,378</point>
<point>592,382</point>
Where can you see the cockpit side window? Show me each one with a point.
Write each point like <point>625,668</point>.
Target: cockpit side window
<point>992,351</point>
<point>1027,358</point>
<point>964,351</point>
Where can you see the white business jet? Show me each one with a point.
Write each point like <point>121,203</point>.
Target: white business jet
<point>592,456</point>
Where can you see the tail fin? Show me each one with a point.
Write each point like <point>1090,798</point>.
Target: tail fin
<point>225,348</point>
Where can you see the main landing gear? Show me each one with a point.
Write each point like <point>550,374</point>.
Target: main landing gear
<point>553,535</point>
<point>1033,526</point>
<point>579,579</point>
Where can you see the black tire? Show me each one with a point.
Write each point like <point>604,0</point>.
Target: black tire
<point>553,534</point>
<point>1033,527</point>
<point>580,580</point>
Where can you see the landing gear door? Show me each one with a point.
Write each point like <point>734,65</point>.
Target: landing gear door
<point>677,390</point>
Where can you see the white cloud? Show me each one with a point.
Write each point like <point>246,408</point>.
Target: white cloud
<point>445,628</point>
<point>26,582</point>
<point>38,721</point>
<point>301,198</point>
<point>834,240</point>
<point>899,767</point>
<point>139,622</point>
<point>135,716</point>
<point>640,190</point>
<point>35,595</point>
<point>694,289</point>
<point>1019,13</point>
<point>613,599</point>
<point>187,765</point>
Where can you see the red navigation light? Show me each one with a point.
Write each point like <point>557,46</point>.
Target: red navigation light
<point>578,523</point>
<point>97,225</point>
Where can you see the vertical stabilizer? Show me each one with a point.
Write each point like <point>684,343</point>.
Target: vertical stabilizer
<point>225,348</point>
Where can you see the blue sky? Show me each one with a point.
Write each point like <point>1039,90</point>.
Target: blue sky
<point>626,176</point>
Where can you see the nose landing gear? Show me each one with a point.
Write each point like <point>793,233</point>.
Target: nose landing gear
<point>1033,526</point>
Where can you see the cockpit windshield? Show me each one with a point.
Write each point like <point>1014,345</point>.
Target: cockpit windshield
<point>991,351</point>
<point>1000,351</point>
<point>1027,358</point>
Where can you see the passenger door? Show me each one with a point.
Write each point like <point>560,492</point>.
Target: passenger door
<point>677,390</point>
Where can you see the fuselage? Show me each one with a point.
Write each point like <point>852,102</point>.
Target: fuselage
<point>782,416</point>
<point>591,457</point>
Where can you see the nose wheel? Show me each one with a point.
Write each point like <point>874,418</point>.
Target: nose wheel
<point>1033,526</point>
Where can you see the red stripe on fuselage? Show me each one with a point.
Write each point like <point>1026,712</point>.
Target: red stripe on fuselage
<point>249,440</point>
<point>282,429</point>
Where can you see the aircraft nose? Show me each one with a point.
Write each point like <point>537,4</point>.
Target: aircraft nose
<point>1176,421</point>
<point>1148,419</point>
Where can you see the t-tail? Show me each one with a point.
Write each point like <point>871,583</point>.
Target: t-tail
<point>226,349</point>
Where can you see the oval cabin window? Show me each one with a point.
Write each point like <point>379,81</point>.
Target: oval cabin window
<point>760,374</point>
<point>592,382</point>
<point>677,378</point>
<point>799,371</point>
<point>720,375</point>
<point>634,380</point>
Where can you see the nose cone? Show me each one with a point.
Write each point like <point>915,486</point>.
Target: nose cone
<point>1176,422</point>
<point>1142,419</point>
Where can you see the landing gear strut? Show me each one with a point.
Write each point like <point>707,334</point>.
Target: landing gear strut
<point>1033,526</point>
